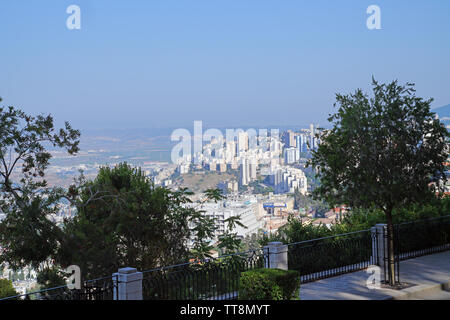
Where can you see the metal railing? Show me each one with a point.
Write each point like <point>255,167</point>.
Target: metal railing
<point>331,256</point>
<point>422,237</point>
<point>210,279</point>
<point>315,259</point>
<point>414,239</point>
<point>97,289</point>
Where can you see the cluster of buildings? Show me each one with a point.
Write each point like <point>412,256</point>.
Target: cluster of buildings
<point>228,186</point>
<point>253,155</point>
<point>272,160</point>
<point>160,172</point>
<point>261,213</point>
<point>298,144</point>
<point>257,213</point>
<point>287,179</point>
<point>244,153</point>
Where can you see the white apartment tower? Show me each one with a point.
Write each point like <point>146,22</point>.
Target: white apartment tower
<point>244,172</point>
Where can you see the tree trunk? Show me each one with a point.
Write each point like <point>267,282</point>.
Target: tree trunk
<point>390,247</point>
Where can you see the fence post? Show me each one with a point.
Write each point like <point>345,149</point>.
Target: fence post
<point>127,284</point>
<point>379,246</point>
<point>277,256</point>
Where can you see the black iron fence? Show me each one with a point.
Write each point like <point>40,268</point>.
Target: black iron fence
<point>422,237</point>
<point>331,256</point>
<point>210,279</point>
<point>98,289</point>
<point>414,239</point>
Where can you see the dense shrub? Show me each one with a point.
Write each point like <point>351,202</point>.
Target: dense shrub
<point>269,284</point>
<point>6,289</point>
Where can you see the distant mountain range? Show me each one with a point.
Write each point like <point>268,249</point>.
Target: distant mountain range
<point>443,112</point>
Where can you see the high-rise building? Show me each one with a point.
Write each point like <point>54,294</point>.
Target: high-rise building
<point>287,179</point>
<point>246,208</point>
<point>289,139</point>
<point>230,151</point>
<point>183,168</point>
<point>253,167</point>
<point>311,129</point>
<point>242,141</point>
<point>244,172</point>
<point>234,165</point>
<point>292,141</point>
<point>291,155</point>
<point>222,167</point>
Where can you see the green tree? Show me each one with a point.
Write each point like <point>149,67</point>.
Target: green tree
<point>50,277</point>
<point>385,151</point>
<point>7,289</point>
<point>229,241</point>
<point>251,242</point>
<point>125,220</point>
<point>296,231</point>
<point>26,234</point>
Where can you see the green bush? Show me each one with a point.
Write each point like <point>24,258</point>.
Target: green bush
<point>7,289</point>
<point>269,284</point>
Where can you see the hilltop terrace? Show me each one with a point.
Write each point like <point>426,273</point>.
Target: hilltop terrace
<point>346,266</point>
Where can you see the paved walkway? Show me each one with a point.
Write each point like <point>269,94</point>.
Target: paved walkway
<point>426,273</point>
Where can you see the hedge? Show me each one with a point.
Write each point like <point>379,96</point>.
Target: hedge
<point>269,284</point>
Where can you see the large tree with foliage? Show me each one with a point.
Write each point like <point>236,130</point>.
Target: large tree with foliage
<point>384,151</point>
<point>27,236</point>
<point>126,220</point>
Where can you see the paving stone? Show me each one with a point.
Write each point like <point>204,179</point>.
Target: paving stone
<point>422,272</point>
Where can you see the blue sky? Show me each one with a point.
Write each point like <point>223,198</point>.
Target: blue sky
<point>159,63</point>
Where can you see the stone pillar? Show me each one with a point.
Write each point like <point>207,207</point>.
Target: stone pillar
<point>277,256</point>
<point>128,282</point>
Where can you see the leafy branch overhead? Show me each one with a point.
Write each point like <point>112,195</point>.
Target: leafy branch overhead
<point>24,140</point>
